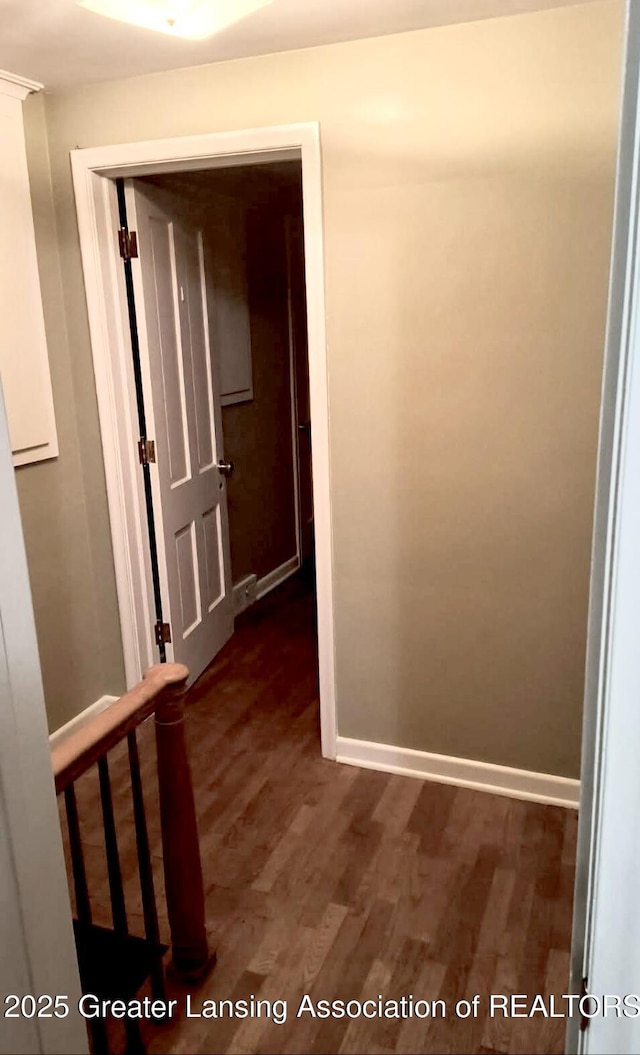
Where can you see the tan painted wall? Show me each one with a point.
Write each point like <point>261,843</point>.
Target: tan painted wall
<point>468,180</point>
<point>62,501</point>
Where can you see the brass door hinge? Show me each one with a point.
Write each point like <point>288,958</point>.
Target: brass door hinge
<point>146,451</point>
<point>128,243</point>
<point>163,633</point>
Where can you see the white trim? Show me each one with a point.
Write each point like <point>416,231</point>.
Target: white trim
<point>461,772</point>
<point>80,720</point>
<point>606,929</point>
<point>94,196</point>
<point>17,87</point>
<point>274,578</point>
<point>295,438</point>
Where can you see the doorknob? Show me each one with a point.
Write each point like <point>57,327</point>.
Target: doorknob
<point>226,468</point>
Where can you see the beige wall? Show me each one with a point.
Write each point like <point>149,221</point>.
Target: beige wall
<point>468,180</point>
<point>63,501</point>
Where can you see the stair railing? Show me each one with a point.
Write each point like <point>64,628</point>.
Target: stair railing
<point>161,694</point>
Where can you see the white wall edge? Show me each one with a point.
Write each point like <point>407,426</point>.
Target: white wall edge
<point>461,772</point>
<point>37,934</point>
<point>81,719</point>
<point>276,577</point>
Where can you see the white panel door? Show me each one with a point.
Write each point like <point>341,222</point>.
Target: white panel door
<point>183,416</point>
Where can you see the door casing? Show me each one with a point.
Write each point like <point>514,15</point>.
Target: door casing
<point>605,926</point>
<point>94,171</point>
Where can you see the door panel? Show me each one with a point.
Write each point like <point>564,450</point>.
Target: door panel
<point>214,563</point>
<point>189,491</point>
<point>160,274</point>
<point>200,360</point>
<point>187,561</point>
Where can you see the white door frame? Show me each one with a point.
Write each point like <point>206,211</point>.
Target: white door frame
<point>94,170</point>
<point>606,930</point>
<point>295,438</point>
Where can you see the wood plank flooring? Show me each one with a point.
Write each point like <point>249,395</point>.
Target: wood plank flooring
<point>342,883</point>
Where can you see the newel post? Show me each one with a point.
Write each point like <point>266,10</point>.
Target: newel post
<point>181,849</point>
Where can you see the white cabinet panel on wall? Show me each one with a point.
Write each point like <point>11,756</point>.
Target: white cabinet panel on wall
<point>24,363</point>
<point>229,294</point>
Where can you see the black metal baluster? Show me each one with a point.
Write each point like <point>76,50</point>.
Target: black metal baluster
<point>118,907</point>
<point>97,1027</point>
<point>118,910</point>
<point>149,908</point>
<point>83,904</point>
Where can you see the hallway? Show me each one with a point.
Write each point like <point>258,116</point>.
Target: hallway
<point>345,883</point>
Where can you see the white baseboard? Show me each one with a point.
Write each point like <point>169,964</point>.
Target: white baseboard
<point>81,719</point>
<point>462,772</point>
<point>277,576</point>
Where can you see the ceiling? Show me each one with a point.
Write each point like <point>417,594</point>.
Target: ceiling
<point>61,45</point>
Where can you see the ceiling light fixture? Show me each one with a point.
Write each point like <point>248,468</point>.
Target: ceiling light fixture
<point>193,19</point>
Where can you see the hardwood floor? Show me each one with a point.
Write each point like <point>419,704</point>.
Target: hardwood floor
<point>342,883</point>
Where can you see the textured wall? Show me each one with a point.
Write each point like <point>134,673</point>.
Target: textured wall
<point>63,501</point>
<point>468,186</point>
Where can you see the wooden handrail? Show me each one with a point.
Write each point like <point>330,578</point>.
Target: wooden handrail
<point>162,693</point>
<point>82,749</point>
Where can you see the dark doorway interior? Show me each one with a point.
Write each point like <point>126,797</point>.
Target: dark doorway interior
<point>252,220</point>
